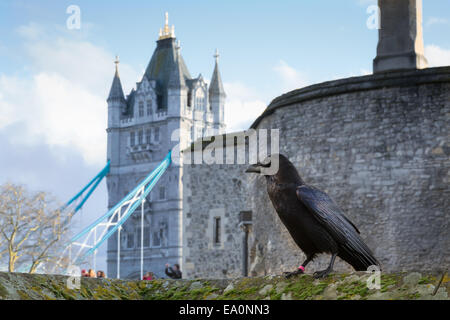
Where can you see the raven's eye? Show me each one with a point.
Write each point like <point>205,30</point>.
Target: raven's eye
<point>267,165</point>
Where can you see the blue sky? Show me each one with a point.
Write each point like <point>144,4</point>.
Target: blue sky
<point>320,39</point>
<point>54,81</point>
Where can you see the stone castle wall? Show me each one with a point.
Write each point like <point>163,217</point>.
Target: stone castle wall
<point>378,144</point>
<point>210,191</point>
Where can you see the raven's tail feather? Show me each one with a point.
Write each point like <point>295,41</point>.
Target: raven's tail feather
<point>358,255</point>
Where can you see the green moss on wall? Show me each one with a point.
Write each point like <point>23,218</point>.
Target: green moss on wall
<point>302,287</point>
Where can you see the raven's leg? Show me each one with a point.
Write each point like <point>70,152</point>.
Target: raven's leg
<point>324,273</point>
<point>299,269</point>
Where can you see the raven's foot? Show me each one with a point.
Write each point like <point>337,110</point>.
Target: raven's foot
<point>288,275</point>
<point>322,273</point>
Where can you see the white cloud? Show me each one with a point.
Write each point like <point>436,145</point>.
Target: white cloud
<point>436,20</point>
<point>31,31</point>
<point>70,115</point>
<point>63,101</point>
<point>290,78</point>
<point>57,110</point>
<point>245,104</point>
<point>437,56</point>
<point>40,168</point>
<point>82,62</point>
<point>53,119</point>
<point>242,107</point>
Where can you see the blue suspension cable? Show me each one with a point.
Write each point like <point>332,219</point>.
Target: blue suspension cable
<point>127,197</point>
<point>130,212</point>
<point>96,181</point>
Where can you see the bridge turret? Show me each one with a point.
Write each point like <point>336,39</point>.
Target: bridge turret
<point>176,85</point>
<point>116,104</point>
<point>116,99</point>
<point>217,97</point>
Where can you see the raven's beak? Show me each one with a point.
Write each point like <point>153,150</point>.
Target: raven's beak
<point>253,169</point>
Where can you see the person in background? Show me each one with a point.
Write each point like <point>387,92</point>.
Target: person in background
<point>148,276</point>
<point>84,273</point>
<point>91,273</point>
<point>175,272</point>
<point>101,274</point>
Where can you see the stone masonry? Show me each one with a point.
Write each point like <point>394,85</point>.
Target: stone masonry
<point>400,45</point>
<point>378,144</point>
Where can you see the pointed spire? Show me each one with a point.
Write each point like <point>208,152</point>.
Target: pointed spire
<point>216,85</point>
<point>116,91</point>
<point>217,55</point>
<point>167,32</point>
<point>116,62</point>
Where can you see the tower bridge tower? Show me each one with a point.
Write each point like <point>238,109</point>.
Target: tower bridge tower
<point>140,128</point>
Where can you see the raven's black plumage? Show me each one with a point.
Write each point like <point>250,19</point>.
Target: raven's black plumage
<point>313,219</point>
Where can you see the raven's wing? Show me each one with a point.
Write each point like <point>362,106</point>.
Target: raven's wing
<point>327,212</point>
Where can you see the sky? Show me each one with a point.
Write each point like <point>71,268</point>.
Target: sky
<point>54,80</point>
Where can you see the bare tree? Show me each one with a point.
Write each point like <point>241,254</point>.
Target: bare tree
<point>3,247</point>
<point>32,228</point>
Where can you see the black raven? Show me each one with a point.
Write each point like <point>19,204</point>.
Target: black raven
<point>313,219</point>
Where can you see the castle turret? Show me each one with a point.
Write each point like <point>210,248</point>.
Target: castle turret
<point>176,77</point>
<point>116,99</point>
<point>116,104</point>
<point>217,97</point>
<point>167,65</point>
<point>176,94</point>
<point>176,86</point>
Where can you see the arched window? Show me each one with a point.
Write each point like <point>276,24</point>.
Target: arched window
<point>146,236</point>
<point>148,136</point>
<point>162,193</point>
<point>156,238</point>
<point>189,99</point>
<point>199,99</point>
<point>127,239</point>
<point>130,240</point>
<point>141,137</point>
<point>141,109</point>
<point>217,231</point>
<point>159,101</point>
<point>132,139</point>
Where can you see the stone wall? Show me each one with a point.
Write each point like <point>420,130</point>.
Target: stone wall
<point>378,144</point>
<point>19,286</point>
<point>210,191</point>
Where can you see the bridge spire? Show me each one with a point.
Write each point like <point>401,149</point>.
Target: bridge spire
<point>217,55</point>
<point>117,61</point>
<point>166,32</point>
<point>116,91</point>
<point>216,85</point>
